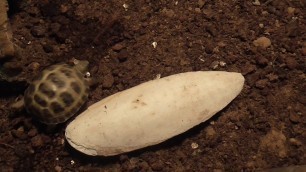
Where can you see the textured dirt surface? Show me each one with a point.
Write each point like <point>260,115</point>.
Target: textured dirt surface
<point>264,127</point>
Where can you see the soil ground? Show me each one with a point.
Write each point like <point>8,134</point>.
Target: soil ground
<point>264,127</point>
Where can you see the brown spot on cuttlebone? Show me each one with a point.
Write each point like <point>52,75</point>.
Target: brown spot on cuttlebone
<point>67,99</point>
<point>43,88</point>
<point>139,102</point>
<point>75,87</point>
<point>40,100</point>
<point>56,80</point>
<point>56,107</point>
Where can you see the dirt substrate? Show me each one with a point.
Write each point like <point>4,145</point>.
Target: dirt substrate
<point>264,127</point>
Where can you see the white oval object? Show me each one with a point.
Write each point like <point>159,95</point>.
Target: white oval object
<point>152,112</point>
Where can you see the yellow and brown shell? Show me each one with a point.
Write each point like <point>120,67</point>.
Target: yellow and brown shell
<point>56,94</point>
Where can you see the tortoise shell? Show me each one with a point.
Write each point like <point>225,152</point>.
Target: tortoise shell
<point>56,94</point>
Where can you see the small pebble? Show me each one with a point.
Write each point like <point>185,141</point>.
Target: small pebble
<point>19,133</point>
<point>295,142</point>
<point>290,10</point>
<point>214,64</point>
<point>194,145</point>
<point>154,44</point>
<point>222,63</point>
<point>168,12</point>
<point>37,141</point>
<point>294,117</point>
<point>197,10</point>
<point>32,132</point>
<point>201,3</point>
<point>34,66</point>
<point>291,62</point>
<point>108,81</point>
<point>262,42</point>
<point>272,77</point>
<point>210,132</point>
<point>256,2</point>
<point>58,168</point>
<point>118,47</point>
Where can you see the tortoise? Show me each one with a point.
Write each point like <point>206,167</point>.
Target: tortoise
<point>57,93</point>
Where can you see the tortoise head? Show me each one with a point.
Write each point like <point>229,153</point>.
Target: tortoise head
<point>81,65</point>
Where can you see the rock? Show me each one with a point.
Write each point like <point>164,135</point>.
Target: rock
<point>201,3</point>
<point>214,65</point>
<point>32,132</point>
<point>210,132</point>
<point>291,62</point>
<point>261,83</point>
<point>295,142</point>
<point>294,117</point>
<point>168,12</point>
<point>275,142</point>
<point>256,2</point>
<point>19,133</point>
<point>290,10</point>
<point>37,141</point>
<point>262,42</point>
<point>272,77</point>
<point>197,10</point>
<point>108,81</point>
<point>58,168</point>
<point>118,47</point>
<point>34,66</point>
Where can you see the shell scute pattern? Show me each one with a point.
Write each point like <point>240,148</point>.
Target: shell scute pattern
<point>56,94</point>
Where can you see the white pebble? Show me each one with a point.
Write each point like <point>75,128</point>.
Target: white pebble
<point>154,44</point>
<point>194,145</point>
